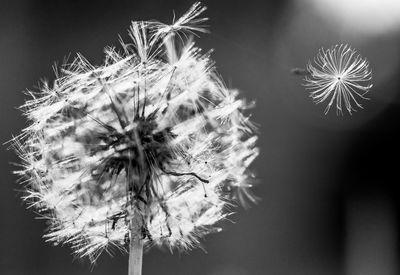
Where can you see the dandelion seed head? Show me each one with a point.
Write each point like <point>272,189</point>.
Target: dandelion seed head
<point>149,145</point>
<point>340,77</point>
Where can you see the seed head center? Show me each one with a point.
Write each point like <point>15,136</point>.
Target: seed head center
<point>339,78</point>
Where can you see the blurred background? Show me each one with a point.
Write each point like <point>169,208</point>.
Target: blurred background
<point>328,184</point>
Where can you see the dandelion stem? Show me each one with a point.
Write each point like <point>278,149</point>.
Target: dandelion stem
<point>135,256</point>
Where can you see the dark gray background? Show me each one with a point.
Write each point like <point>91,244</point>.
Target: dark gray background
<point>328,184</point>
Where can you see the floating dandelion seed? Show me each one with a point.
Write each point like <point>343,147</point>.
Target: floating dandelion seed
<point>338,75</point>
<point>150,147</point>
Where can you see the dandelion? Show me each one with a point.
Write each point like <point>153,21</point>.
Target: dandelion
<point>338,75</point>
<point>150,148</point>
